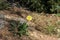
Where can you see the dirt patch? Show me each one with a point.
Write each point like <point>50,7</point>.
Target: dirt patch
<point>39,21</point>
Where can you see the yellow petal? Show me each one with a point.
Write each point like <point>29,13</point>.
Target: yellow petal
<point>29,18</point>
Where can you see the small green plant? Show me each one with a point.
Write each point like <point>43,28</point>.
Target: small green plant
<point>58,14</point>
<point>18,28</point>
<point>22,29</point>
<point>50,30</point>
<point>58,23</point>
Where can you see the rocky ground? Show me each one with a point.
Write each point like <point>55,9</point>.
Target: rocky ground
<point>35,32</point>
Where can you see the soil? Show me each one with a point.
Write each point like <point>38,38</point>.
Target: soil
<point>39,20</point>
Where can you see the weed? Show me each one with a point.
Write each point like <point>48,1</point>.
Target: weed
<point>18,28</point>
<point>22,29</point>
<point>58,14</point>
<point>50,30</point>
<point>58,23</point>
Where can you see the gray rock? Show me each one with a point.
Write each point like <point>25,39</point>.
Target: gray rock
<point>1,16</point>
<point>2,23</point>
<point>22,20</point>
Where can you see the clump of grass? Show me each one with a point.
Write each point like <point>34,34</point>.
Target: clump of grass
<point>58,23</point>
<point>22,29</point>
<point>51,30</point>
<point>18,29</point>
<point>58,14</point>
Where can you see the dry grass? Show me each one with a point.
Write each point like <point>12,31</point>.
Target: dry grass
<point>36,26</point>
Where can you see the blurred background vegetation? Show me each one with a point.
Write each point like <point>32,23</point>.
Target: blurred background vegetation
<point>42,5</point>
<point>47,6</point>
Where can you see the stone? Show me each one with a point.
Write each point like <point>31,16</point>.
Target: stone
<point>2,23</point>
<point>22,20</point>
<point>1,16</point>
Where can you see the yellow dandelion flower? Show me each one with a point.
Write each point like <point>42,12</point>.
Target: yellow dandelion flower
<point>29,18</point>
